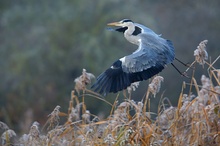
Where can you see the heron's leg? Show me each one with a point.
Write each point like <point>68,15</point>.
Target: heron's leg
<point>183,74</point>
<point>185,64</point>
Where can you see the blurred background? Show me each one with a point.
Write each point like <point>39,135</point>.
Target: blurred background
<point>45,44</point>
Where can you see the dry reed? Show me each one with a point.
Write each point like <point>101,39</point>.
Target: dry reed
<point>195,120</point>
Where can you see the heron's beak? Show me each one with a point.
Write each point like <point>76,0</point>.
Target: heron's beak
<point>115,24</point>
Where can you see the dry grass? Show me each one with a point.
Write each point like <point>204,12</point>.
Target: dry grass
<point>195,120</point>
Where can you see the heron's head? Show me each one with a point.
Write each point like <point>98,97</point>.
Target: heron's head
<point>122,23</point>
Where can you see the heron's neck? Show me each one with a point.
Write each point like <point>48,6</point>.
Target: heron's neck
<point>128,34</point>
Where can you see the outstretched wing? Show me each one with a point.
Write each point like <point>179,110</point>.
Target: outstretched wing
<point>115,79</point>
<point>141,65</point>
<point>148,60</point>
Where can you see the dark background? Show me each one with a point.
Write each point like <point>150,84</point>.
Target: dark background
<point>45,44</point>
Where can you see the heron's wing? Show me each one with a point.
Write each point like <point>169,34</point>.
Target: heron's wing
<point>148,60</point>
<point>149,54</point>
<point>115,78</point>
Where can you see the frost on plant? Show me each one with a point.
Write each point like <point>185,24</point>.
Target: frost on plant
<point>33,137</point>
<point>200,53</point>
<point>154,86</point>
<point>83,80</point>
<point>86,116</point>
<point>133,87</point>
<point>75,113</point>
<point>54,117</point>
<point>7,135</point>
<point>3,126</point>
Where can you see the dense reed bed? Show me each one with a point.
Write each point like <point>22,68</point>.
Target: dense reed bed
<point>195,121</point>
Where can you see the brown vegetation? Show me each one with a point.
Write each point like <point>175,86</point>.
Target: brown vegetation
<point>44,45</point>
<point>195,121</point>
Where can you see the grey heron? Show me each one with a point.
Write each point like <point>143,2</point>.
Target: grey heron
<point>150,58</point>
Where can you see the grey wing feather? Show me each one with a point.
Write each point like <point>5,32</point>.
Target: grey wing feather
<point>139,61</point>
<point>149,54</point>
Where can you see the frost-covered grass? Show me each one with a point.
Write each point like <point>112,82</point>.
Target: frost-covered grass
<point>194,121</point>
